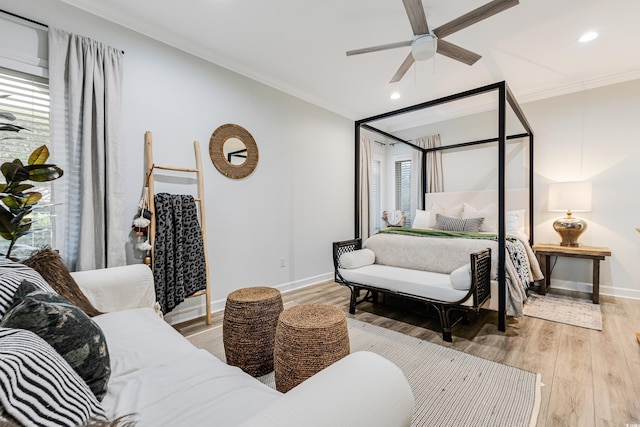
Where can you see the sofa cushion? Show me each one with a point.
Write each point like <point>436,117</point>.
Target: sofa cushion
<point>165,380</point>
<point>461,278</point>
<point>48,263</point>
<point>413,282</point>
<point>11,276</point>
<point>139,338</point>
<point>358,258</point>
<point>67,329</point>
<point>37,386</point>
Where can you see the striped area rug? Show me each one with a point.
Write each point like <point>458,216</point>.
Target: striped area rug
<point>451,388</point>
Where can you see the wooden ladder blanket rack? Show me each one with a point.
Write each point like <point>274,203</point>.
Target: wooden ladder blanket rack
<point>201,210</point>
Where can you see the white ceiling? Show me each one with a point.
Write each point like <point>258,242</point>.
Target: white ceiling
<point>298,46</point>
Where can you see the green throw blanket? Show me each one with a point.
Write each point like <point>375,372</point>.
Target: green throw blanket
<point>440,233</point>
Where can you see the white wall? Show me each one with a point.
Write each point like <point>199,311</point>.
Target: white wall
<point>299,199</point>
<point>593,135</point>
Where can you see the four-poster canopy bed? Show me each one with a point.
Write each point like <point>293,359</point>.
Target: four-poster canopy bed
<point>505,100</point>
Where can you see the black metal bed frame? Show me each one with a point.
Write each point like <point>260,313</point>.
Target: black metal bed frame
<point>504,97</point>
<point>480,288</point>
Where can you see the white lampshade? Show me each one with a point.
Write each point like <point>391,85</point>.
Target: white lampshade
<point>572,196</point>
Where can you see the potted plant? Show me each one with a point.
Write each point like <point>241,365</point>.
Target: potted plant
<point>18,198</point>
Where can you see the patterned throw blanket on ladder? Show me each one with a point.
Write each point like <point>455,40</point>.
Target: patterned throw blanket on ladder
<point>179,263</point>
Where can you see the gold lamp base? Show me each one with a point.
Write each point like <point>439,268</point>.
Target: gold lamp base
<point>569,229</point>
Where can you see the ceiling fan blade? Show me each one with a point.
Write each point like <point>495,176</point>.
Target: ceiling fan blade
<point>378,48</point>
<point>476,15</point>
<point>458,53</point>
<point>408,62</point>
<point>416,15</point>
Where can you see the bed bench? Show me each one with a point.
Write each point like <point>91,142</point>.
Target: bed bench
<point>465,289</point>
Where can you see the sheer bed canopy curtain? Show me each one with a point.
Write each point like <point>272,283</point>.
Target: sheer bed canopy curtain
<point>85,79</point>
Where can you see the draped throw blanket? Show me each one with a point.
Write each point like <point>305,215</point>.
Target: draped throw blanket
<point>179,262</point>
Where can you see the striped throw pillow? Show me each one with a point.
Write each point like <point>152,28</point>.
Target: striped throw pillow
<point>447,223</point>
<point>37,387</point>
<point>11,276</point>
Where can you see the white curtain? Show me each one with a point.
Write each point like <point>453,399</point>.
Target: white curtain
<point>365,188</point>
<point>434,171</point>
<point>85,81</point>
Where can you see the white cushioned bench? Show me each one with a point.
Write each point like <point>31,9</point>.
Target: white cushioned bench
<point>466,287</point>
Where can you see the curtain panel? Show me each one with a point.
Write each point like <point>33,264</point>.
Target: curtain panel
<point>434,182</point>
<point>85,80</point>
<point>365,188</point>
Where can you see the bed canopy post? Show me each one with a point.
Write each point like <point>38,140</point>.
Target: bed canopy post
<point>502,279</point>
<point>356,182</point>
<point>515,107</point>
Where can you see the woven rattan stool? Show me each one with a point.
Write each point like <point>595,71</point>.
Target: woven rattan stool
<point>249,328</point>
<point>309,338</point>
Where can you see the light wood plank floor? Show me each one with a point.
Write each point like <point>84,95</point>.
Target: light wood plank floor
<point>591,378</point>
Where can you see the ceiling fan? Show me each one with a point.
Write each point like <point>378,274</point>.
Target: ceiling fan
<point>426,43</point>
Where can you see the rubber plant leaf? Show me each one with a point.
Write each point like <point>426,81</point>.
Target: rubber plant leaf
<point>5,221</point>
<point>43,173</point>
<point>16,202</point>
<point>18,189</point>
<point>39,156</point>
<point>14,171</point>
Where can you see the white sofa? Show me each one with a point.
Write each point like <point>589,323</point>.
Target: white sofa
<point>164,380</point>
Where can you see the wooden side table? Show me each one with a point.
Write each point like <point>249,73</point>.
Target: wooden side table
<point>595,253</point>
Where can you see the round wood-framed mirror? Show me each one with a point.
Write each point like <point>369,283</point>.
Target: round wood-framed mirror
<point>233,151</point>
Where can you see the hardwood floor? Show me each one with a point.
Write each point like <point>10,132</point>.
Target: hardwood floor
<point>592,378</point>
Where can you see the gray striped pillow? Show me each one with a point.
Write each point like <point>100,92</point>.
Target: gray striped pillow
<point>37,387</point>
<point>11,276</point>
<point>448,223</point>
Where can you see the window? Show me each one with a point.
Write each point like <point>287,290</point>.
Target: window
<point>28,101</point>
<point>403,188</point>
<point>375,195</point>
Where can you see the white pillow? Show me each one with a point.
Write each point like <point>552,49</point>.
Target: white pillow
<point>514,222</point>
<point>454,212</point>
<point>422,219</point>
<point>489,213</point>
<point>358,258</point>
<point>461,278</point>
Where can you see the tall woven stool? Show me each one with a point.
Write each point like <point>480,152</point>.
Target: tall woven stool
<point>309,338</point>
<point>249,328</point>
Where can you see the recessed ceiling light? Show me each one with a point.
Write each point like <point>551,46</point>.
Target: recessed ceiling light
<point>395,95</point>
<point>588,36</point>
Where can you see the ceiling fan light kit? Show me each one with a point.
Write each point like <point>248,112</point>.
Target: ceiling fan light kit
<point>424,47</point>
<point>426,44</point>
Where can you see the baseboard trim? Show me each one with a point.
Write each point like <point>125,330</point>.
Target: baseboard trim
<point>193,308</point>
<point>588,288</point>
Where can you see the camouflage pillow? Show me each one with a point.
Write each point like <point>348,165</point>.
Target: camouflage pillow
<point>77,338</point>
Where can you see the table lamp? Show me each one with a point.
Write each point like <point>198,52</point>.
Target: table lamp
<point>573,196</point>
